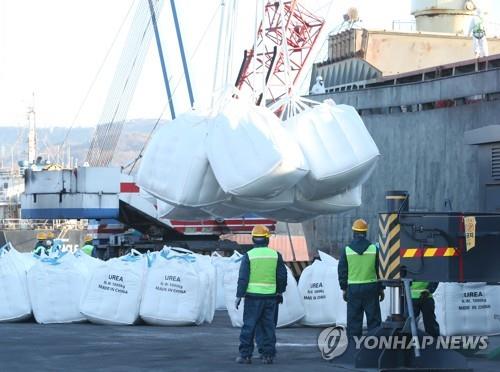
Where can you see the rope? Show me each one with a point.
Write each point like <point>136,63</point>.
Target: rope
<point>191,58</point>
<point>122,88</point>
<point>217,54</point>
<point>94,80</point>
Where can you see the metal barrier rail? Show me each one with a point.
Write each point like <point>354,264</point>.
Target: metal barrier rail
<point>24,224</point>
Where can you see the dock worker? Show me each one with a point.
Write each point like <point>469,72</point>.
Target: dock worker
<point>88,246</point>
<point>41,244</point>
<point>421,296</point>
<point>318,87</point>
<point>358,279</point>
<point>262,280</point>
<point>478,32</point>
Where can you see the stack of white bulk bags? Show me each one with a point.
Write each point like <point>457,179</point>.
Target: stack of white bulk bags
<point>113,293</point>
<point>467,308</point>
<point>250,152</point>
<point>14,298</point>
<point>291,310</point>
<point>55,286</point>
<point>320,292</point>
<point>175,167</point>
<point>339,150</point>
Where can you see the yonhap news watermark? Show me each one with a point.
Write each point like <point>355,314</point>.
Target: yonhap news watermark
<point>333,342</point>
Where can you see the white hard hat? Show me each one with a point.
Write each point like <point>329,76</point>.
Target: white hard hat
<point>319,78</point>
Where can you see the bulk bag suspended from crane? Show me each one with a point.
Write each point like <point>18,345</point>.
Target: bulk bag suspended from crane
<point>172,212</point>
<point>251,153</point>
<point>113,293</point>
<point>283,200</point>
<point>14,298</point>
<point>339,149</point>
<point>335,204</point>
<point>175,167</point>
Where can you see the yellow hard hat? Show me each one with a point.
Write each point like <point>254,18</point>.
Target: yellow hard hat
<point>41,235</point>
<point>360,225</point>
<point>88,238</point>
<point>50,235</point>
<point>261,231</point>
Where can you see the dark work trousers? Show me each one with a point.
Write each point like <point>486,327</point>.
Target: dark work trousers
<point>426,306</point>
<point>258,313</point>
<point>362,298</point>
<point>259,332</point>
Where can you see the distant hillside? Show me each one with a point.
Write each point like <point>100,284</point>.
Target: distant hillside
<point>50,140</point>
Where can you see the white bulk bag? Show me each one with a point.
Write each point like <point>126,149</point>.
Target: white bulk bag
<point>85,263</point>
<point>55,286</point>
<point>174,292</point>
<point>320,292</point>
<point>291,310</point>
<point>171,212</point>
<point>113,293</point>
<point>175,167</point>
<point>208,273</point>
<point>467,308</point>
<point>225,210</point>
<point>335,204</point>
<point>14,298</point>
<point>220,263</point>
<point>280,201</point>
<point>339,149</point>
<point>250,152</point>
<point>231,274</point>
<point>339,310</point>
<point>290,214</point>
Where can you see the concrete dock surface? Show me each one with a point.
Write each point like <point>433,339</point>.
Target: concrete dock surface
<point>211,347</point>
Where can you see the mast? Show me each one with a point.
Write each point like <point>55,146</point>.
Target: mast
<point>32,132</point>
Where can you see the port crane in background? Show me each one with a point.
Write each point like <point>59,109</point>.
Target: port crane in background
<point>107,196</point>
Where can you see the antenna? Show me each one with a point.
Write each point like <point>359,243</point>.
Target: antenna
<point>32,132</point>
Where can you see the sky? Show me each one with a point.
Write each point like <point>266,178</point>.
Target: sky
<point>56,49</point>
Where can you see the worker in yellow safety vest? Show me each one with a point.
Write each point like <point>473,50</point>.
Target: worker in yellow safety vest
<point>41,244</point>
<point>262,280</point>
<point>88,247</point>
<point>358,279</point>
<point>421,295</point>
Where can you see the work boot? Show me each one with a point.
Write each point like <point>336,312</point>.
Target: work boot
<point>267,360</point>
<point>244,360</point>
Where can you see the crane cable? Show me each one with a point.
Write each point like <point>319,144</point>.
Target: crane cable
<point>94,80</point>
<point>191,58</point>
<point>123,88</point>
<point>110,126</point>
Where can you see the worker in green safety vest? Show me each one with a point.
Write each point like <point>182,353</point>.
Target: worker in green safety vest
<point>358,279</point>
<point>41,244</point>
<point>88,247</point>
<point>421,295</point>
<point>262,281</point>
